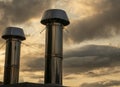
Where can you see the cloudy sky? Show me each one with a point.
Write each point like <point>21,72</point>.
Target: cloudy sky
<point>91,41</point>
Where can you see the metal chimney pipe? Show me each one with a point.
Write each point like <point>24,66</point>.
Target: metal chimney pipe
<point>55,20</point>
<point>13,37</point>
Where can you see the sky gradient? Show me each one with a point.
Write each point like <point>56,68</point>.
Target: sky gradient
<point>91,41</point>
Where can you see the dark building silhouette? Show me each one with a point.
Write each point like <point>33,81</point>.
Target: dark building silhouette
<point>31,85</point>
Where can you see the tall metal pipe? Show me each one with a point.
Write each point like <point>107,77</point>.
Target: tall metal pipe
<point>13,37</point>
<point>55,20</point>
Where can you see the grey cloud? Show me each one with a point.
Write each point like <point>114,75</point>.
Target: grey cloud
<point>19,11</point>
<point>104,24</point>
<point>80,60</point>
<point>93,50</point>
<point>85,64</point>
<point>33,64</point>
<point>102,84</point>
<point>91,57</point>
<point>103,72</point>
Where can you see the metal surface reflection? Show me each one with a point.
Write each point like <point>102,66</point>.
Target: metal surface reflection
<point>53,53</point>
<point>55,20</point>
<point>13,37</point>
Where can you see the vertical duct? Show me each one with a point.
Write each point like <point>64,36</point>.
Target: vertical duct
<point>55,20</point>
<point>13,37</point>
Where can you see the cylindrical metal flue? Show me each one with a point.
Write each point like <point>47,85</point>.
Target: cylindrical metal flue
<point>55,20</point>
<point>13,37</point>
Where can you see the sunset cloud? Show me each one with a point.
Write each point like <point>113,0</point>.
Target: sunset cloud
<point>16,11</point>
<point>91,57</point>
<point>91,41</point>
<point>105,23</point>
<point>102,84</point>
<point>80,60</point>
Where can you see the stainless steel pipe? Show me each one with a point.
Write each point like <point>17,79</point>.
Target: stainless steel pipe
<point>13,37</point>
<point>55,20</point>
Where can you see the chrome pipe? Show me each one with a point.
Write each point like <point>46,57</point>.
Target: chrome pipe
<point>55,20</point>
<point>53,54</point>
<point>13,37</point>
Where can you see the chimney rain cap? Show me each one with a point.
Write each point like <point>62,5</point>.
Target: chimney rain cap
<point>13,32</point>
<point>55,15</point>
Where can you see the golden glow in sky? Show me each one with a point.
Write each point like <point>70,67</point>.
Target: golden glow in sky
<point>91,42</point>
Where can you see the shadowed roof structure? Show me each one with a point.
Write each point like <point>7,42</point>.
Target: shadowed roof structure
<point>26,84</point>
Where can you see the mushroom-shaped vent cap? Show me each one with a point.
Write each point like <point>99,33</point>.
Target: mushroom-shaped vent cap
<point>55,15</point>
<point>13,32</point>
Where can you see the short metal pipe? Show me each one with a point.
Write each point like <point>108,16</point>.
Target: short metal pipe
<point>12,58</point>
<point>13,37</point>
